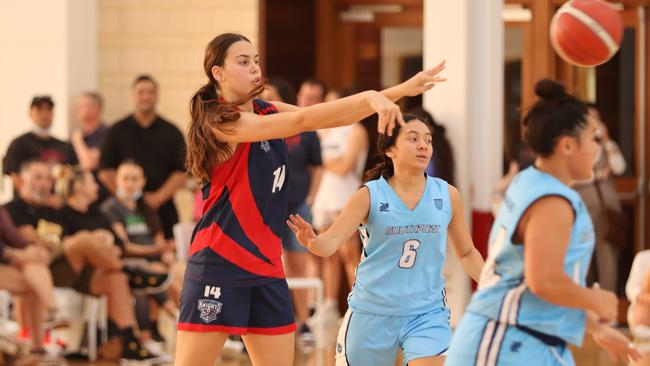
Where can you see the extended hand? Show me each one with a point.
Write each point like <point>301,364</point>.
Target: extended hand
<point>423,80</point>
<point>617,345</point>
<point>303,230</point>
<point>388,112</point>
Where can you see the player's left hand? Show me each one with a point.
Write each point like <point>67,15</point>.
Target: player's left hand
<point>303,230</point>
<point>423,80</point>
<point>618,346</point>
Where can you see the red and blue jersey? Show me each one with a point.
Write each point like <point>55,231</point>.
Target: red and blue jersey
<point>237,240</point>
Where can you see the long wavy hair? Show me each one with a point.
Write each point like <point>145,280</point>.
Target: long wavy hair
<point>208,111</point>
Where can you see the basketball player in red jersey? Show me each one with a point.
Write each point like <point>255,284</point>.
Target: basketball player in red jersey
<point>234,282</point>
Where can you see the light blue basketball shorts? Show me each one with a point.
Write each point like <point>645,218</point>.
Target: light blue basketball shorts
<point>371,339</point>
<point>484,342</point>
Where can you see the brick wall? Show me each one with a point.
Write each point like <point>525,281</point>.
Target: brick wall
<point>165,38</point>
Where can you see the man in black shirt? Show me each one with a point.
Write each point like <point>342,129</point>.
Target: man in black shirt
<point>156,144</point>
<point>38,143</point>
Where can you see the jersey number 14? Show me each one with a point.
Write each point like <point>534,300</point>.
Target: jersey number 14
<point>278,178</point>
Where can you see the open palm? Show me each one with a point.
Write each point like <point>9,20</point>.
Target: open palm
<point>617,345</point>
<point>303,230</point>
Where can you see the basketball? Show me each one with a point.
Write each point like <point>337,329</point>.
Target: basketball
<point>586,32</point>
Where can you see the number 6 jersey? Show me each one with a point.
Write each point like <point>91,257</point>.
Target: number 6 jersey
<point>403,252</point>
<point>237,240</point>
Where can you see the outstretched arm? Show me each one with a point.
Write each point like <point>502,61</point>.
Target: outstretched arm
<point>325,244</point>
<point>340,112</point>
<point>344,111</point>
<point>460,238</point>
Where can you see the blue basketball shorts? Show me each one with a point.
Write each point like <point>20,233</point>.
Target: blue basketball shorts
<point>484,342</point>
<point>371,339</point>
<point>260,309</point>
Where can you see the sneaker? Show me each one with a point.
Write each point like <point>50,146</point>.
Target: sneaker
<point>48,357</point>
<point>233,348</point>
<point>156,336</point>
<point>325,315</point>
<point>305,338</point>
<point>134,354</point>
<point>144,282</point>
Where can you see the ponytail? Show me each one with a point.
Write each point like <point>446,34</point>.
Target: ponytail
<point>208,111</point>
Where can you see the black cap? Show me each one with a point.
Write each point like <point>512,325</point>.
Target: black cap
<point>40,100</point>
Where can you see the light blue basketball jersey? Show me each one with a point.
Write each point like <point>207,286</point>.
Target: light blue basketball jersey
<point>503,295</point>
<point>403,252</point>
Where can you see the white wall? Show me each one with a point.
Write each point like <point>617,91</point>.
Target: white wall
<point>167,39</point>
<point>470,37</point>
<point>48,47</point>
<point>396,43</point>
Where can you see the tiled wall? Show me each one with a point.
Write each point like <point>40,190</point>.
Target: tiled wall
<point>165,38</point>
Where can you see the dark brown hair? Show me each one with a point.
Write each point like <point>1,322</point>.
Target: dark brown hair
<point>554,115</point>
<point>385,167</point>
<point>208,111</point>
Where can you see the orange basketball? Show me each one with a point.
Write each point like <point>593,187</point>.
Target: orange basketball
<point>586,32</point>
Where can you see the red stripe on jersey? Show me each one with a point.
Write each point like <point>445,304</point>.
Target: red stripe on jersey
<point>214,238</point>
<point>249,217</point>
<point>220,175</point>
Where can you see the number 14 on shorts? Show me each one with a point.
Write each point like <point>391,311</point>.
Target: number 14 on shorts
<point>212,291</point>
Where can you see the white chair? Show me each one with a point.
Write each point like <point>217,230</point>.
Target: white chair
<point>5,305</point>
<point>300,283</point>
<point>93,310</point>
<point>183,237</point>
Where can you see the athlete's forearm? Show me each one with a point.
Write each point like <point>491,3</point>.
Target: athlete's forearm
<point>394,93</point>
<point>325,245</point>
<point>592,324</point>
<point>473,263</point>
<point>340,112</point>
<point>561,290</point>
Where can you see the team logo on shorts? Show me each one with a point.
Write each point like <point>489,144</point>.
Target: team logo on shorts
<point>209,309</point>
<point>438,203</point>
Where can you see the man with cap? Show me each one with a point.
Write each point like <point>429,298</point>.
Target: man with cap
<point>38,144</point>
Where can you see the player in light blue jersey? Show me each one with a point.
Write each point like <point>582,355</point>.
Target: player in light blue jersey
<point>398,299</point>
<point>532,298</point>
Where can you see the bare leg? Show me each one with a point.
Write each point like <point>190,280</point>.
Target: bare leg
<point>115,286</point>
<point>36,321</point>
<point>174,290</point>
<point>199,348</point>
<point>93,249</point>
<point>350,253</point>
<point>428,361</point>
<point>274,350</point>
<point>332,276</point>
<point>39,279</point>
<point>31,309</point>
<point>298,268</point>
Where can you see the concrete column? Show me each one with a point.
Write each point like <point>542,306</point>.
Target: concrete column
<point>48,47</point>
<point>469,35</point>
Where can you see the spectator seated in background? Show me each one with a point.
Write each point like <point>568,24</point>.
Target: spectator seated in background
<point>86,260</point>
<point>139,227</point>
<point>24,272</point>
